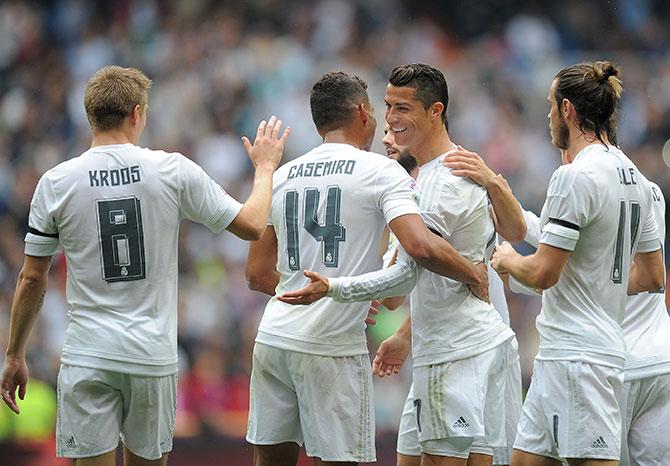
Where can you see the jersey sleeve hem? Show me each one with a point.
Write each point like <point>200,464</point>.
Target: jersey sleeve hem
<point>559,236</point>
<point>222,219</point>
<point>41,246</point>
<point>399,211</point>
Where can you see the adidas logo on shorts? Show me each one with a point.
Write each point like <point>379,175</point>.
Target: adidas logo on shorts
<point>71,443</point>
<point>599,443</point>
<point>461,423</point>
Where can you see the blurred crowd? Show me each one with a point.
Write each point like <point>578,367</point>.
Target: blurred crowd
<point>220,67</point>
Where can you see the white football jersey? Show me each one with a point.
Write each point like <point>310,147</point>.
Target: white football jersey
<point>116,211</point>
<point>449,322</point>
<point>646,324</point>
<point>329,209</point>
<point>600,208</point>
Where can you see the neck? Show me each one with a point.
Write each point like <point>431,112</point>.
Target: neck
<point>342,136</point>
<point>114,136</point>
<point>580,140</point>
<point>434,145</point>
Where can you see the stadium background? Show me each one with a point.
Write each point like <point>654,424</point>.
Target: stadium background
<point>218,68</point>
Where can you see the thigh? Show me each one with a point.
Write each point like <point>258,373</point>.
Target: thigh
<point>448,401</point>
<point>336,406</point>
<point>149,413</point>
<point>512,404</point>
<point>572,412</point>
<point>408,435</point>
<point>273,403</point>
<point>90,410</point>
<point>647,444</point>
<point>537,430</point>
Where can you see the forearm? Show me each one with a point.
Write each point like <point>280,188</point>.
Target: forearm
<point>27,303</point>
<point>253,217</point>
<point>529,271</point>
<point>444,260</point>
<point>509,220</point>
<point>405,330</point>
<point>266,283</point>
<point>647,273</point>
<point>396,280</point>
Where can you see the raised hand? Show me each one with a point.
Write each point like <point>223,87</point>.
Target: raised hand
<point>391,355</point>
<point>315,290</point>
<point>14,375</point>
<point>466,163</point>
<point>267,148</point>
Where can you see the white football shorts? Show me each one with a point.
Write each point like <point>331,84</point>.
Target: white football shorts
<point>96,407</point>
<point>645,407</point>
<point>453,404</point>
<point>324,401</point>
<point>572,411</point>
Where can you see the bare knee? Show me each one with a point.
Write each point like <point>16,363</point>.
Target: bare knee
<point>131,459</point>
<point>282,454</point>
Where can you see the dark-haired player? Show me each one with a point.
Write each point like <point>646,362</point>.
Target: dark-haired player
<point>461,347</point>
<point>597,217</point>
<point>311,379</point>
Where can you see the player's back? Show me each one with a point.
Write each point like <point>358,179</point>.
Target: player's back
<point>603,200</point>
<point>448,321</point>
<point>117,209</point>
<point>329,209</point>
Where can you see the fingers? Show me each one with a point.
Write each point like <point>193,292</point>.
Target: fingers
<point>247,144</point>
<point>313,276</point>
<point>22,390</point>
<point>370,321</point>
<point>284,136</point>
<point>261,129</point>
<point>8,396</point>
<point>275,129</point>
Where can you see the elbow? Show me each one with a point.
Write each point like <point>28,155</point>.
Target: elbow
<point>545,279</point>
<point>254,280</point>
<point>252,232</point>
<point>518,234</point>
<point>420,251</point>
<point>32,280</point>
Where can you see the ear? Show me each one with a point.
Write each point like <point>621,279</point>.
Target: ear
<point>363,113</point>
<point>567,109</point>
<point>436,110</point>
<point>136,114</point>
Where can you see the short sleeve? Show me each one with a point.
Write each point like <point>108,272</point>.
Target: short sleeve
<point>533,230</point>
<point>653,225</point>
<point>42,237</point>
<point>568,207</point>
<point>396,192</point>
<point>202,200</point>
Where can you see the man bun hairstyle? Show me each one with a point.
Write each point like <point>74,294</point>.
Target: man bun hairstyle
<point>428,82</point>
<point>595,91</point>
<point>112,94</point>
<point>334,98</point>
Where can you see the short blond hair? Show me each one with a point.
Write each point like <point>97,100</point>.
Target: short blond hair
<point>112,94</point>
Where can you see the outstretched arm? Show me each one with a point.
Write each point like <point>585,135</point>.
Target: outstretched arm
<point>396,280</point>
<point>261,273</point>
<point>508,217</point>
<point>28,300</point>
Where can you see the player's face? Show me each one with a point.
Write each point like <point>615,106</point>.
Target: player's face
<point>393,150</point>
<point>408,120</point>
<point>560,134</point>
